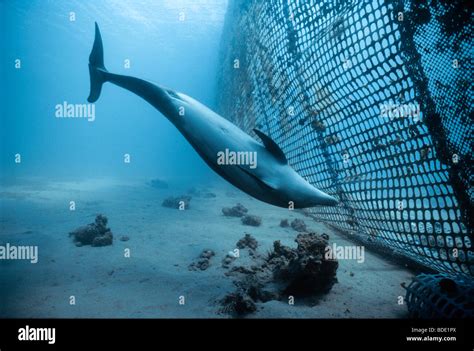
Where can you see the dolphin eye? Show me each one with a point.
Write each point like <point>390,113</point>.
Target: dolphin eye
<point>173,94</point>
<point>224,129</point>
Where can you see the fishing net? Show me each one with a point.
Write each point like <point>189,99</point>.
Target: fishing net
<point>440,296</point>
<point>371,101</point>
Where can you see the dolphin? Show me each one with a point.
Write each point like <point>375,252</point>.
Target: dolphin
<point>270,179</point>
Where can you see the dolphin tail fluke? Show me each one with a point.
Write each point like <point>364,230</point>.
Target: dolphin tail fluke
<point>97,69</point>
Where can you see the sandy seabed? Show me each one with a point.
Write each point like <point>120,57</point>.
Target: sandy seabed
<point>163,242</point>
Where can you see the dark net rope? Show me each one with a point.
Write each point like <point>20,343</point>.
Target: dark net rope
<point>343,88</point>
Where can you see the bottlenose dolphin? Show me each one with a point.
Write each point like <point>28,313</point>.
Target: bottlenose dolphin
<point>271,179</point>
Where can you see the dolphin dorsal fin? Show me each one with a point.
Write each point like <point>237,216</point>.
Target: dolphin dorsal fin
<point>271,146</point>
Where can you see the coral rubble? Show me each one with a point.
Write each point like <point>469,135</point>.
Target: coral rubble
<point>94,234</point>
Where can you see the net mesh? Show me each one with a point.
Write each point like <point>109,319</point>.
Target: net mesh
<point>440,296</point>
<point>371,102</point>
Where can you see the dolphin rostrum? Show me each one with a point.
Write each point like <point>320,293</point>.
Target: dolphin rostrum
<point>220,143</point>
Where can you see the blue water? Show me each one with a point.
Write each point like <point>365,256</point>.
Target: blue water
<point>54,51</point>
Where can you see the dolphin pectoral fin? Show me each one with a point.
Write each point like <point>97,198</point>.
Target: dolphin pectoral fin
<point>271,146</point>
<point>271,184</point>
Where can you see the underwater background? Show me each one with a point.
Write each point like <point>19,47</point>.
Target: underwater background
<point>54,55</point>
<point>172,239</point>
